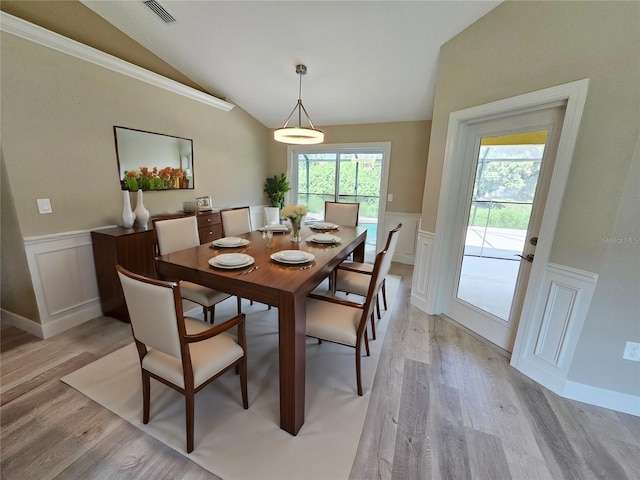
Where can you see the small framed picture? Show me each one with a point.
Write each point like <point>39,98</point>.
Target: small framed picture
<point>204,203</point>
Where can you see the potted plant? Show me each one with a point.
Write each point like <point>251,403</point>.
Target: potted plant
<point>275,187</point>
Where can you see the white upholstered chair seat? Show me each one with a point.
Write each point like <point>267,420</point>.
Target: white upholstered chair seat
<point>180,352</point>
<point>352,282</point>
<point>363,267</point>
<point>340,321</point>
<point>178,234</point>
<point>354,277</point>
<point>201,295</point>
<point>235,221</point>
<point>204,365</point>
<point>341,213</point>
<point>333,322</point>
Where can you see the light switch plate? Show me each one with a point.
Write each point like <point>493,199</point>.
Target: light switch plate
<point>44,205</point>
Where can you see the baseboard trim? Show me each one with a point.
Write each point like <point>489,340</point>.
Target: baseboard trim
<point>22,323</point>
<point>600,397</point>
<point>404,258</point>
<point>77,317</point>
<point>620,402</point>
<point>419,301</point>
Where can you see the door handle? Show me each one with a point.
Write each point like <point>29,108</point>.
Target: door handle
<point>528,258</point>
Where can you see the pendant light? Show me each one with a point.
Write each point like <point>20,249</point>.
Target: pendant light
<point>299,135</point>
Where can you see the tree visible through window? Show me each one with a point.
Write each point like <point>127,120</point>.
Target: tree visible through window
<point>341,177</point>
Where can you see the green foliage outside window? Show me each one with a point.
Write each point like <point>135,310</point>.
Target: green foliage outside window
<point>320,186</point>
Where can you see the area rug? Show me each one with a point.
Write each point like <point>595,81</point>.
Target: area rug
<point>238,444</point>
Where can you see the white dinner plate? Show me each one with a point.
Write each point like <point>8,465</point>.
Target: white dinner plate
<point>275,228</point>
<point>215,261</point>
<point>231,259</point>
<point>292,256</point>
<point>324,238</point>
<point>230,242</point>
<point>323,226</point>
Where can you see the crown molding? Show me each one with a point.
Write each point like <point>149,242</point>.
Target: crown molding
<point>36,34</point>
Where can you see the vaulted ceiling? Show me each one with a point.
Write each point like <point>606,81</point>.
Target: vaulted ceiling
<point>367,61</point>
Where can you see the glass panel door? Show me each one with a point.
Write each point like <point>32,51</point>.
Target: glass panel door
<point>507,168</point>
<point>499,213</point>
<point>343,175</point>
<point>316,182</point>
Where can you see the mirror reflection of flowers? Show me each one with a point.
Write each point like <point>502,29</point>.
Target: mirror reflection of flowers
<point>145,179</point>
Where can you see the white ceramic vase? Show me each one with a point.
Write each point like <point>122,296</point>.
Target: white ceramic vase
<point>272,214</point>
<point>142,214</point>
<point>128,217</point>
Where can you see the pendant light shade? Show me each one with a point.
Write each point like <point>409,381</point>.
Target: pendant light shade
<point>299,135</point>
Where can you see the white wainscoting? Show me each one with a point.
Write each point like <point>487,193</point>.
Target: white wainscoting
<point>547,347</point>
<point>559,311</point>
<point>406,246</point>
<point>64,281</point>
<point>550,342</point>
<point>420,292</point>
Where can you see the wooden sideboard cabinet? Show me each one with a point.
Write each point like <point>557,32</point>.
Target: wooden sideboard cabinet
<point>209,226</point>
<point>135,249</point>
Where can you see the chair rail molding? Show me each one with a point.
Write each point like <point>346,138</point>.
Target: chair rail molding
<point>36,34</point>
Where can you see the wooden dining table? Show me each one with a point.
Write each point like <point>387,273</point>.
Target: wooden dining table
<point>284,286</point>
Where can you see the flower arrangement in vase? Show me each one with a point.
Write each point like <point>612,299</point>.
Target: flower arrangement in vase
<point>295,214</point>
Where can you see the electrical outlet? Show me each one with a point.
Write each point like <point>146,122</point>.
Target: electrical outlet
<point>390,197</point>
<point>632,352</point>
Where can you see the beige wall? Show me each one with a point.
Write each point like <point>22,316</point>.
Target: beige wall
<point>57,119</point>
<point>58,114</point>
<point>408,164</point>
<point>15,281</point>
<point>521,47</point>
<point>614,315</point>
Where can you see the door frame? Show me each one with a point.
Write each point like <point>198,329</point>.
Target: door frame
<point>294,150</point>
<point>574,95</point>
<point>500,331</point>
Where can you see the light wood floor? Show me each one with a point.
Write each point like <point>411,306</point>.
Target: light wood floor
<point>444,405</point>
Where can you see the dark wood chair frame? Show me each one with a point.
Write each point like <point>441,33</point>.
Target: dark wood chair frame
<point>189,391</point>
<point>367,310</point>
<point>353,268</point>
<point>208,312</point>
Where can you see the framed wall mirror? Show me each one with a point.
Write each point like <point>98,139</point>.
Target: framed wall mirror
<point>153,161</point>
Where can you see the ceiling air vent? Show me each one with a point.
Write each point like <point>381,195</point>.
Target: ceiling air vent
<point>160,11</point>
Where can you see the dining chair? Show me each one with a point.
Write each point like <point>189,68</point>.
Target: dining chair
<point>354,277</point>
<point>235,221</point>
<point>341,213</point>
<point>344,322</point>
<point>178,351</point>
<point>177,234</point>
